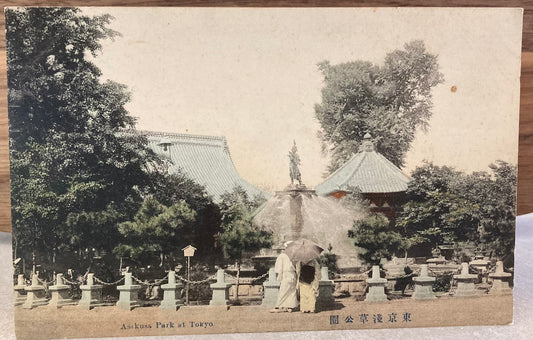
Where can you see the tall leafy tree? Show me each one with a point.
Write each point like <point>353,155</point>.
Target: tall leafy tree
<point>376,237</point>
<point>156,229</point>
<point>74,177</point>
<point>495,194</point>
<point>390,101</point>
<point>174,188</point>
<point>238,234</point>
<point>442,218</point>
<point>436,211</point>
<point>446,206</point>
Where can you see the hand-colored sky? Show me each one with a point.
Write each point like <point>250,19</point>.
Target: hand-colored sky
<point>250,75</point>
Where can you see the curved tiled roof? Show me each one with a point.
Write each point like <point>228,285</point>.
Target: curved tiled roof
<point>205,159</point>
<point>367,170</point>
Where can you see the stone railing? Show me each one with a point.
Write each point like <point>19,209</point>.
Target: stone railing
<point>57,293</point>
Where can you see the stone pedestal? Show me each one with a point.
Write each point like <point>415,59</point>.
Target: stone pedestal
<point>91,294</point>
<point>270,289</point>
<point>465,282</point>
<point>172,293</point>
<point>129,294</point>
<point>19,296</point>
<point>35,294</point>
<point>436,260</point>
<point>60,293</point>
<point>423,285</point>
<point>326,287</point>
<point>220,290</point>
<point>482,264</point>
<point>376,287</point>
<point>500,281</point>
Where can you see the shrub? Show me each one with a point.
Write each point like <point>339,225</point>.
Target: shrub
<point>443,282</point>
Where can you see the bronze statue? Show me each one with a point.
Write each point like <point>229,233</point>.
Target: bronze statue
<point>294,161</point>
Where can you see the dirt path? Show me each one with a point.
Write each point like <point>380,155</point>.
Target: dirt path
<point>72,322</point>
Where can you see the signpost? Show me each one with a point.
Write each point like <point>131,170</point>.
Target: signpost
<point>188,252</point>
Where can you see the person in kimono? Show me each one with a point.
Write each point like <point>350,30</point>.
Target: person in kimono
<point>286,275</point>
<point>308,281</point>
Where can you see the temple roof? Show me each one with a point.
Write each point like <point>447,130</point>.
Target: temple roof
<point>205,159</point>
<point>367,170</point>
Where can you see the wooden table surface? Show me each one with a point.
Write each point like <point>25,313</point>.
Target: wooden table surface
<point>525,156</point>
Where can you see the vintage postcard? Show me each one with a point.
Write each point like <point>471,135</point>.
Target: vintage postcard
<point>223,170</point>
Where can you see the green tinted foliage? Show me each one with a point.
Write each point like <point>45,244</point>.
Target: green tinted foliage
<point>171,189</point>
<point>496,196</point>
<point>155,228</point>
<point>377,238</point>
<point>238,234</point>
<point>389,101</point>
<point>441,218</point>
<point>52,85</point>
<point>436,212</point>
<point>74,176</point>
<point>329,259</point>
<point>443,282</point>
<point>448,206</point>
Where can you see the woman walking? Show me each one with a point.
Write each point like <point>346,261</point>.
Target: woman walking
<point>287,298</point>
<point>308,281</point>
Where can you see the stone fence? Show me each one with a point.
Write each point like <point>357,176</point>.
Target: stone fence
<point>57,292</point>
<point>57,295</point>
<point>355,284</point>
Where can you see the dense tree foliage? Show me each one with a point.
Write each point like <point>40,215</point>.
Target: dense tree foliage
<point>376,236</point>
<point>171,189</point>
<point>495,193</point>
<point>436,212</point>
<point>73,176</point>
<point>238,234</point>
<point>76,173</point>
<point>389,101</point>
<point>156,230</point>
<point>447,206</point>
<point>176,212</point>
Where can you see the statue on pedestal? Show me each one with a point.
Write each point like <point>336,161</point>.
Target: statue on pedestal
<point>294,162</point>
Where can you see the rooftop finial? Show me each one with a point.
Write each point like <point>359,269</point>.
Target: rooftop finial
<point>367,144</point>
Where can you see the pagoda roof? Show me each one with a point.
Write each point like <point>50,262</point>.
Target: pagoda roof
<point>367,170</point>
<point>204,159</point>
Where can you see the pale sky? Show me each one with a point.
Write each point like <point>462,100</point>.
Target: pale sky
<point>250,75</point>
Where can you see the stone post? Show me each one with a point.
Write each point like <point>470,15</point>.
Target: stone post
<point>465,282</point>
<point>376,287</point>
<point>172,293</point>
<point>500,281</point>
<point>60,293</point>
<point>326,287</point>
<point>35,294</point>
<point>482,264</point>
<point>129,294</point>
<point>423,285</point>
<point>220,290</point>
<point>91,294</point>
<point>270,289</point>
<point>20,291</point>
